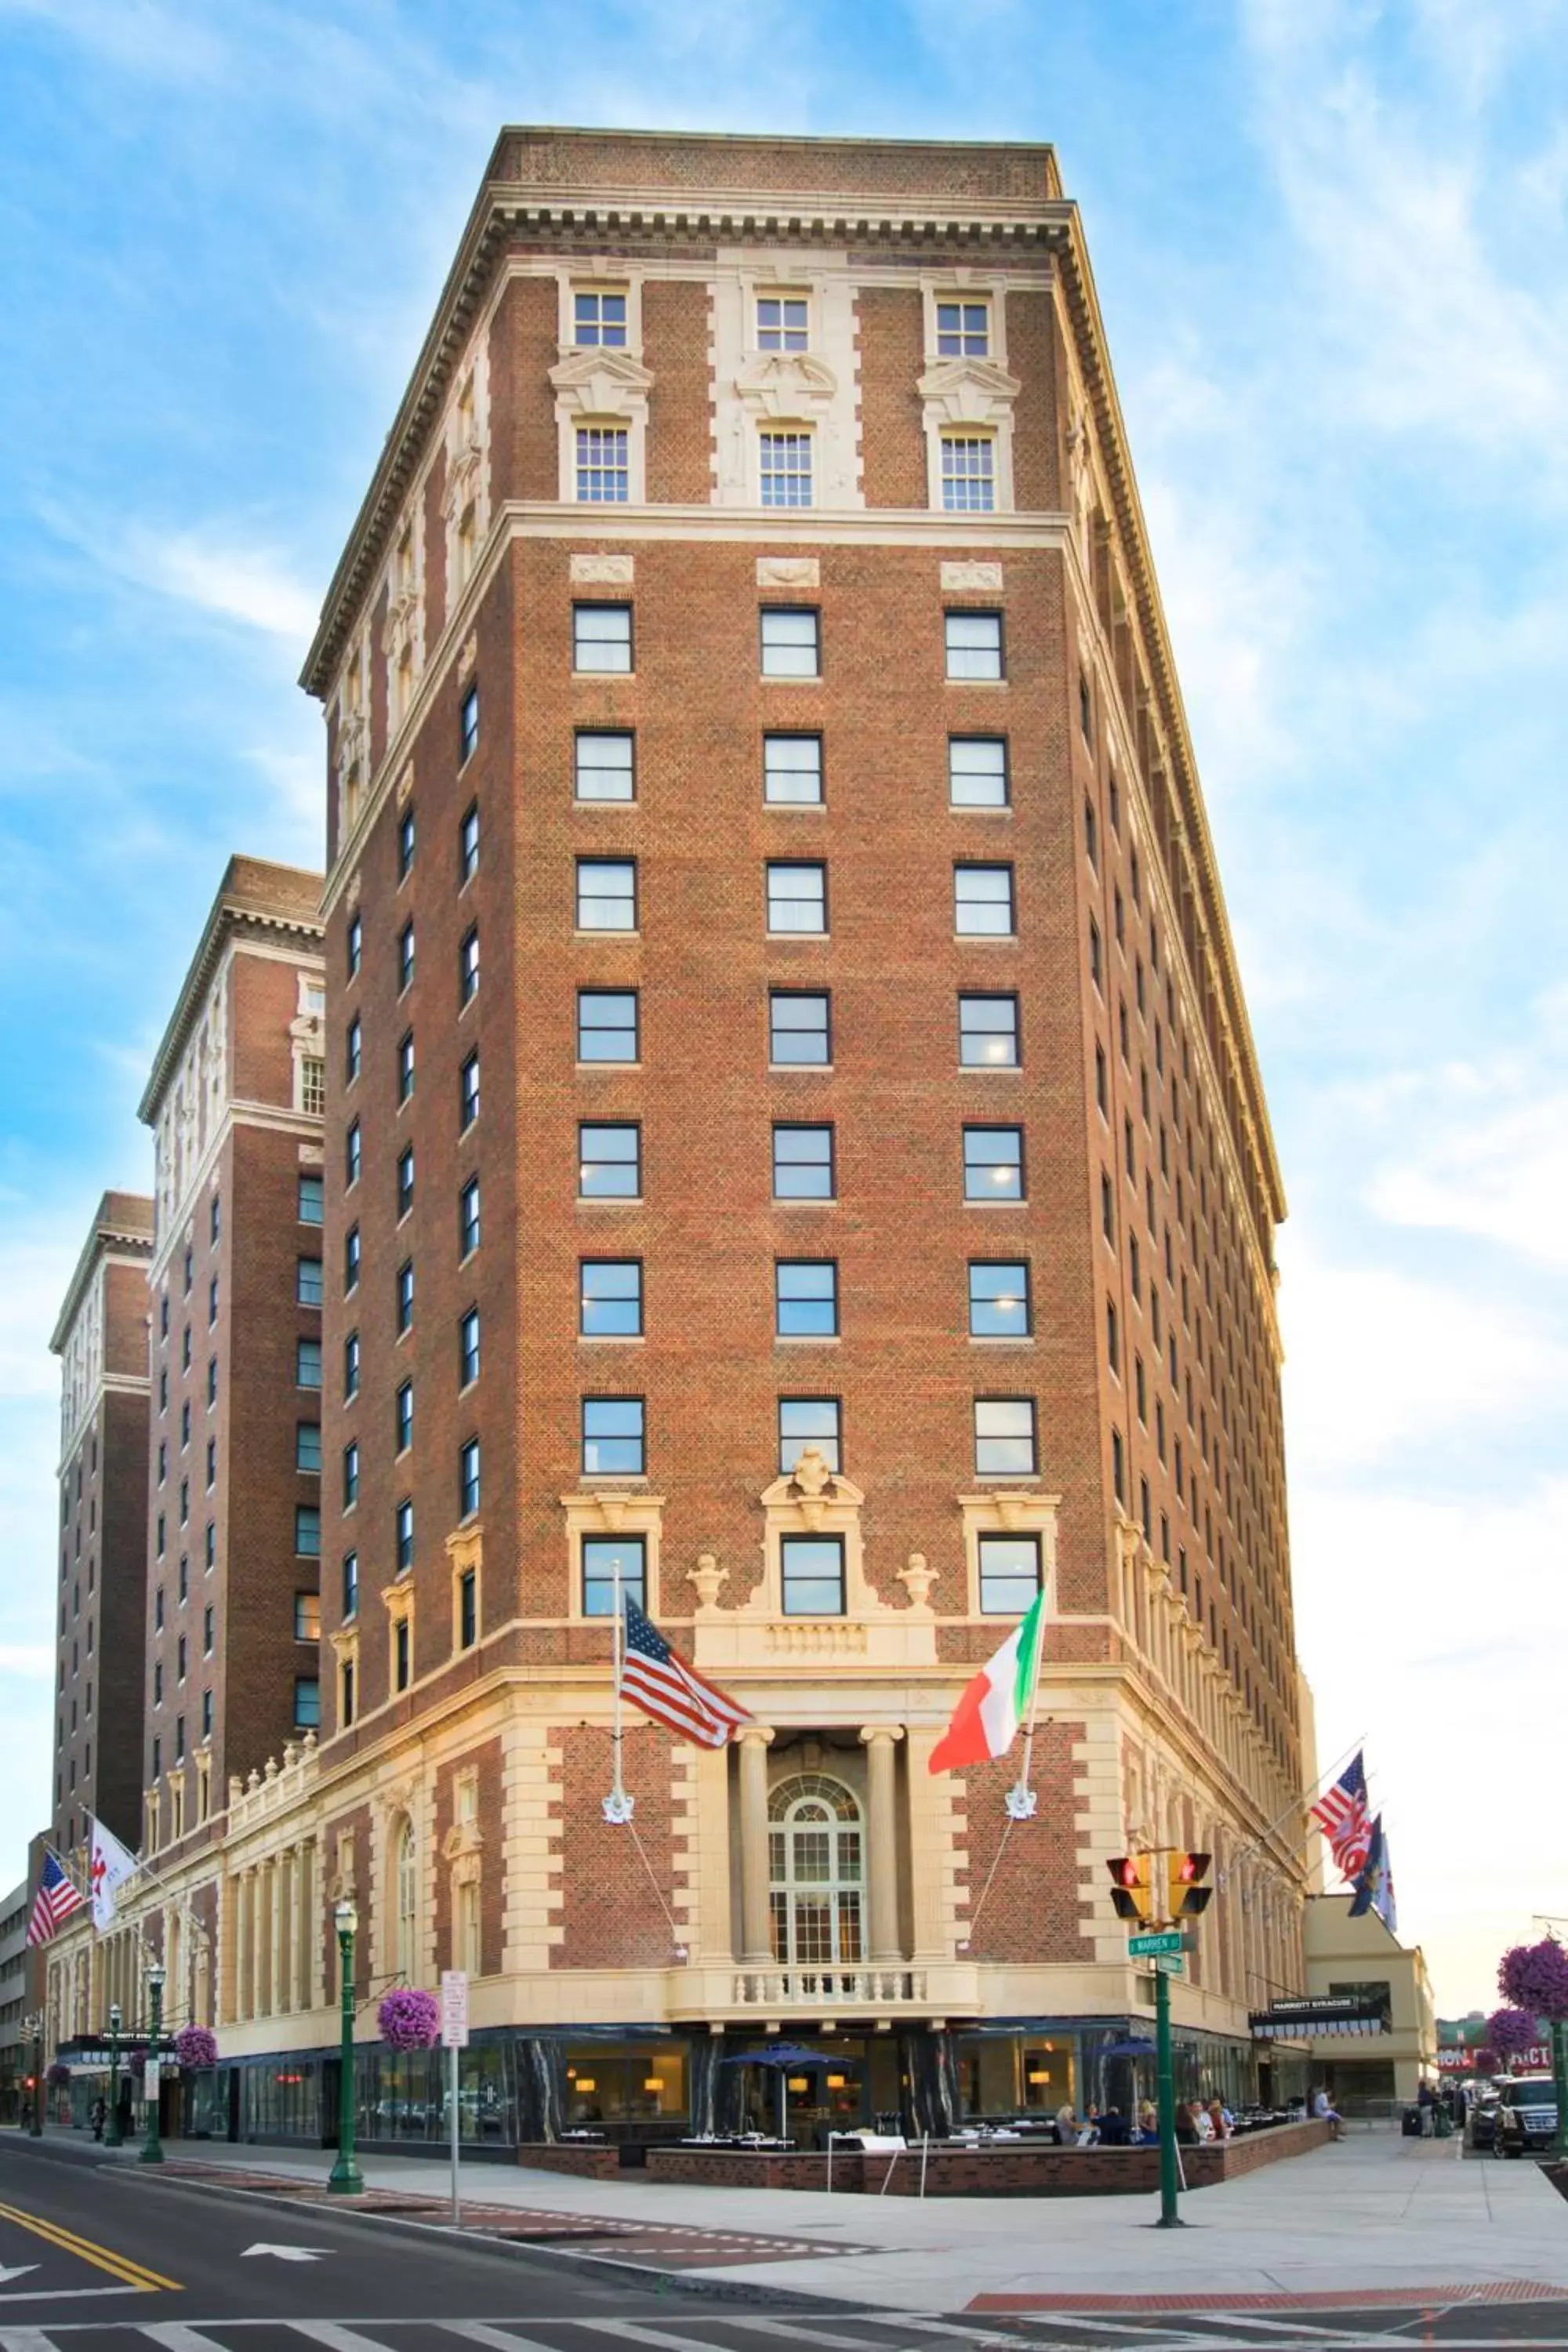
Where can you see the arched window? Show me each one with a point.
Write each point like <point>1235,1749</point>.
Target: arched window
<point>407,1912</point>
<point>814,1875</point>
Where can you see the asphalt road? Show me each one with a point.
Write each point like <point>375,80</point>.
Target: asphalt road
<point>103,2257</point>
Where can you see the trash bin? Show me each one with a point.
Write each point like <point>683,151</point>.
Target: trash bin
<point>1410,2123</point>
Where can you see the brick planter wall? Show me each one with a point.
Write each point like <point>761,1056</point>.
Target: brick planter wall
<point>593,2163</point>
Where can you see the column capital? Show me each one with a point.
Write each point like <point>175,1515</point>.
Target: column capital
<point>872,1732</point>
<point>755,1734</point>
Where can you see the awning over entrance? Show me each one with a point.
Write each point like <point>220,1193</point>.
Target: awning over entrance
<point>1323,2013</point>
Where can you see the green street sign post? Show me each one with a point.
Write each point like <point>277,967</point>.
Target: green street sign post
<point>1168,1940</point>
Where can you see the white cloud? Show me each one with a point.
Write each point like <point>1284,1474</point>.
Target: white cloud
<point>1497,1171</point>
<point>222,573</point>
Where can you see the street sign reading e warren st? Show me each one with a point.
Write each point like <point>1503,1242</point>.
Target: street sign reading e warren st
<point>1168,1940</point>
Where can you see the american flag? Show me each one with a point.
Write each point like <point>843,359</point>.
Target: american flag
<point>54,1901</point>
<point>673,1693</point>
<point>1345,1819</point>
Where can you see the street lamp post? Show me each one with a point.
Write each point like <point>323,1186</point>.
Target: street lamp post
<point>152,2145</point>
<point>35,2026</point>
<point>346,2179</point>
<point>113,2135</point>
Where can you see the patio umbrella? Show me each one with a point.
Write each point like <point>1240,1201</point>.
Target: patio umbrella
<point>780,2058</point>
<point>1131,2047</point>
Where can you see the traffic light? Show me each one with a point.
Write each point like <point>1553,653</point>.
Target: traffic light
<point>1187,1895</point>
<point>1130,1890</point>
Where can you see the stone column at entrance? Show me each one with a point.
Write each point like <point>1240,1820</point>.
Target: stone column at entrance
<point>756,1918</point>
<point>882,1840</point>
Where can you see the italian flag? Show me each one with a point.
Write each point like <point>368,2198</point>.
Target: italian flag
<point>986,1719</point>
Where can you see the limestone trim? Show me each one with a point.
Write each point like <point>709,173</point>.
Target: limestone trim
<point>612,1511</point>
<point>344,1640</point>
<point>466,1557</point>
<point>598,386</point>
<point>397,1598</point>
<point>816,389</point>
<point>1008,1511</point>
<point>812,1501</point>
<point>970,397</point>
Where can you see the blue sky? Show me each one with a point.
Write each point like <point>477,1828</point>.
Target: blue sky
<point>1332,246</point>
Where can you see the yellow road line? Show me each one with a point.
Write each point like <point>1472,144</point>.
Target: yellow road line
<point>120,2266</point>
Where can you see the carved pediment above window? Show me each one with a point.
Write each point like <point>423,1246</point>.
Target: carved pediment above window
<point>598,383</point>
<point>402,613</point>
<point>786,385</point>
<point>353,742</point>
<point>463,460</point>
<point>968,392</point>
<point>462,1839</point>
<point>813,1491</point>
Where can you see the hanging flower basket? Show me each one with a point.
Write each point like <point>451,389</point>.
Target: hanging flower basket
<point>1535,1977</point>
<point>1510,2031</point>
<point>409,2020</point>
<point>1486,2060</point>
<point>195,2047</point>
<point>137,2063</point>
<point>58,2076</point>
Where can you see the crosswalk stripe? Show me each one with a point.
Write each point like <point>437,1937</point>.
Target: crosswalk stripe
<point>24,2339</point>
<point>173,2336</point>
<point>627,2331</point>
<point>336,2337</point>
<point>499,2339</point>
<point>815,2335</point>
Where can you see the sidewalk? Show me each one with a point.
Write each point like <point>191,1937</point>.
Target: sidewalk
<point>1373,2216</point>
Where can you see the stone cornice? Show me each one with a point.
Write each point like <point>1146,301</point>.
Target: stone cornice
<point>233,916</point>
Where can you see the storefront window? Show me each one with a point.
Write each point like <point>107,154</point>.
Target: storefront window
<point>616,2086</point>
<point>1047,2069</point>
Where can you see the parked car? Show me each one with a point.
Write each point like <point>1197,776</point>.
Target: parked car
<point>1528,2116</point>
<point>1481,2124</point>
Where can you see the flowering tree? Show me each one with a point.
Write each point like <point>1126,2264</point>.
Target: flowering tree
<point>409,2019</point>
<point>1510,2031</point>
<point>1535,1977</point>
<point>58,2076</point>
<point>1486,2060</point>
<point>195,2047</point>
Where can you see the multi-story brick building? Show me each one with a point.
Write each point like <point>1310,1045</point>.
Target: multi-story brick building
<point>100,1338</point>
<point>793,1149</point>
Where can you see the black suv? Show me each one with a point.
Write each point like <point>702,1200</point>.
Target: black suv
<point>1528,2116</point>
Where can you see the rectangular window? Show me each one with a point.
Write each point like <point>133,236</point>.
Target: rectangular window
<point>806,1298</point>
<point>214,1214</point>
<point>994,1163</point>
<point>988,1032</point>
<point>209,1546</point>
<point>313,1085</point>
<point>406,956</point>
<point>1009,1574</point>
<point>468,1092</point>
<point>350,1475</point>
<point>604,1557</point>
<point>968,473</point>
<point>351,1258</point>
<point>792,641</point>
<point>1005,1437</point>
<point>307,1531</point>
<point>797,897</point>
<point>405,1067</point>
<point>610,1305</point>
<point>802,1162</point>
<point>351,1584</point>
<point>468,1477</point>
<point>312,1199</point>
<point>606,894</point>
<point>607,1024</point>
<point>468,1610</point>
<point>354,945</point>
<point>785,469</point>
<point>402,1535</point>
<point>606,767</point>
<point>809,1421</point>
<point>609,1163</point>
<point>998,1299</point>
<point>401,1655</point>
<point>406,837</point>
<point>354,1158</point>
<point>469,967</point>
<point>468,725</point>
<point>469,845</point>
<point>403,1417</point>
<point>613,1437</point>
<point>811,1575</point>
<point>406,1180</point>
<point>469,1218</point>
<point>212,1302</point>
<point>307,1281</point>
<point>307,1703</point>
<point>963,331</point>
<point>468,1348</point>
<point>306,1617</point>
<point>782,323</point>
<point>599,318</point>
<point>353,1050</point>
<point>798,1029</point>
<point>208,1630</point>
<point>977,772</point>
<point>604,464</point>
<point>404,1297</point>
<point>307,1447</point>
<point>983,902</point>
<point>308,1364</point>
<point>791,770</point>
<point>602,639</point>
<point>974,644</point>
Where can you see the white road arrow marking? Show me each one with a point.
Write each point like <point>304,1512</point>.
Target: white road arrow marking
<point>289,2253</point>
<point>20,2270</point>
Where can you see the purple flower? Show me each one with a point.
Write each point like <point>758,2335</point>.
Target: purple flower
<point>58,2075</point>
<point>1510,2031</point>
<point>1535,1977</point>
<point>409,2020</point>
<point>1484,2059</point>
<point>195,2047</point>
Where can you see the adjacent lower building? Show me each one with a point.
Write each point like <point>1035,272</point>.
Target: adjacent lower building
<point>794,1153</point>
<point>1378,2059</point>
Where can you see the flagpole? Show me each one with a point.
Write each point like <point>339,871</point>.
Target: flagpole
<point>1298,1805</point>
<point>617,1804</point>
<point>1021,1799</point>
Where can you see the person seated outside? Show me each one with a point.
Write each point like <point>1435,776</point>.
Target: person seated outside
<point>1148,2121</point>
<point>1324,2111</point>
<point>1187,2134</point>
<point>1112,2127</point>
<point>1067,2126</point>
<point>1220,2122</point>
<point>1202,2124</point>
